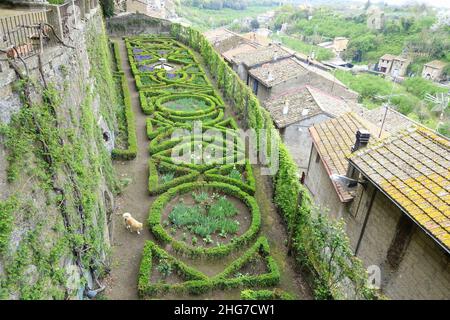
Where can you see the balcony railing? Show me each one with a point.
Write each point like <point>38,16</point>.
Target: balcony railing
<point>27,34</point>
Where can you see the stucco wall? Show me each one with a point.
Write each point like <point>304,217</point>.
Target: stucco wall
<point>298,140</point>
<point>319,184</point>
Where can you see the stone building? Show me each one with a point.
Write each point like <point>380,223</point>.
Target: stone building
<point>392,65</point>
<point>263,55</point>
<point>375,18</point>
<point>282,74</point>
<point>230,56</point>
<point>257,38</point>
<point>223,39</point>
<point>294,111</point>
<point>393,192</point>
<point>434,70</point>
<point>338,45</point>
<point>155,8</point>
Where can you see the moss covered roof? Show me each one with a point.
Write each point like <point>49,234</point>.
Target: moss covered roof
<point>413,169</point>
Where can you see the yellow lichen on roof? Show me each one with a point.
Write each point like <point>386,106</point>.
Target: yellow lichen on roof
<point>413,169</point>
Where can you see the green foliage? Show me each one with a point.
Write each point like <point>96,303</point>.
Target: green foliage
<point>275,294</point>
<point>407,97</point>
<point>107,7</point>
<point>290,197</point>
<point>196,282</point>
<point>164,267</point>
<point>305,48</point>
<point>50,155</point>
<point>204,220</point>
<point>206,19</point>
<point>419,87</point>
<point>186,214</point>
<point>7,209</point>
<point>130,127</point>
<point>167,177</point>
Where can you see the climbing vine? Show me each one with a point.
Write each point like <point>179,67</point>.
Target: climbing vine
<point>57,174</point>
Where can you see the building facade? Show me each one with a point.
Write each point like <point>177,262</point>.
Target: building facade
<point>434,70</point>
<point>396,210</point>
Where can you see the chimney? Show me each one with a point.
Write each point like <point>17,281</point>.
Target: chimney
<point>362,139</point>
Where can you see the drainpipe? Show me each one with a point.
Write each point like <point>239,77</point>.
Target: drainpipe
<point>366,219</point>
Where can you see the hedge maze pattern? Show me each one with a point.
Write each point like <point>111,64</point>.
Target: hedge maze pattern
<point>176,94</point>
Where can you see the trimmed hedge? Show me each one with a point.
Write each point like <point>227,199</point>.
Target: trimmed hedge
<point>171,97</point>
<point>266,295</point>
<point>155,90</point>
<point>155,187</point>
<point>198,283</point>
<point>151,251</point>
<point>166,155</point>
<point>131,151</point>
<point>221,174</point>
<point>290,197</point>
<point>154,220</point>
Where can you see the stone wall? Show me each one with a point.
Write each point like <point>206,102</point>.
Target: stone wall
<point>136,24</point>
<point>61,201</point>
<point>423,270</point>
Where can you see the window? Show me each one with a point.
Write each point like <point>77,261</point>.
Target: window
<point>255,87</point>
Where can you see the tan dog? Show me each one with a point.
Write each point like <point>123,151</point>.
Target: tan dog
<point>131,223</point>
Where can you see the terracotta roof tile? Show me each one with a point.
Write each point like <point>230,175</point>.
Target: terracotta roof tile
<point>415,170</point>
<point>303,103</point>
<point>333,140</point>
<point>263,55</point>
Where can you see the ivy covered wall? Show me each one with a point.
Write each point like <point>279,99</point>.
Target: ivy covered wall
<point>57,182</point>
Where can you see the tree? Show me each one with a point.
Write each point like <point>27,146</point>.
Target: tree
<point>367,5</point>
<point>406,23</point>
<point>254,24</point>
<point>107,7</point>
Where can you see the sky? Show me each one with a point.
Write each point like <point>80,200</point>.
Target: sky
<point>435,3</point>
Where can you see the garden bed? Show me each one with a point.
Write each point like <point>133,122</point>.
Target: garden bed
<point>205,209</point>
<point>205,219</point>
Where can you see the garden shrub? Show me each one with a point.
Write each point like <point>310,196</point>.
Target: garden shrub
<point>290,197</point>
<point>222,174</point>
<point>275,294</point>
<point>154,220</point>
<point>195,282</point>
<point>157,187</point>
<point>131,150</point>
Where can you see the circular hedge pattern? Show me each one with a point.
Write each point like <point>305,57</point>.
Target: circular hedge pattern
<point>159,97</point>
<point>160,104</point>
<point>154,220</point>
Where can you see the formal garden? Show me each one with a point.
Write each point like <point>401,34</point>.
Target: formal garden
<point>205,208</point>
<point>209,232</point>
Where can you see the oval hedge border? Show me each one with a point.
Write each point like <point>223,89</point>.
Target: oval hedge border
<point>155,212</point>
<point>172,97</point>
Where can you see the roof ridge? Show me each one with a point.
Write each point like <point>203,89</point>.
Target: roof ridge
<point>435,136</point>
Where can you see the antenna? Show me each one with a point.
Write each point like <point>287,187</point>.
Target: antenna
<point>440,101</point>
